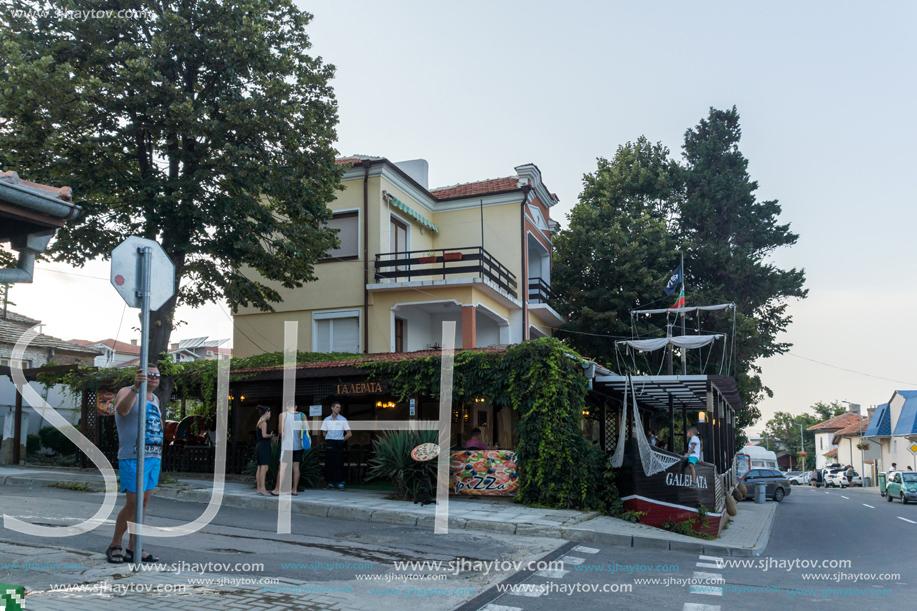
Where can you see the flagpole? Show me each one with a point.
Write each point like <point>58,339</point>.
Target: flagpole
<point>684,351</point>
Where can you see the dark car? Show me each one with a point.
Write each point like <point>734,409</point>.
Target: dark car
<point>778,486</point>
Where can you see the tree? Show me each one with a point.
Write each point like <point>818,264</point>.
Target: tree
<point>826,411</point>
<point>783,426</point>
<point>203,124</point>
<point>728,235</point>
<point>618,249</point>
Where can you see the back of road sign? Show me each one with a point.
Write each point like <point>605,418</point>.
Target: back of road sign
<point>125,272</point>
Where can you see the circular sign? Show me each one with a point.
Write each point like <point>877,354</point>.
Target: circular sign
<point>119,279</point>
<point>425,452</point>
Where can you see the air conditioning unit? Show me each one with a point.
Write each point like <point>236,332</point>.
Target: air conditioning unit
<point>210,353</point>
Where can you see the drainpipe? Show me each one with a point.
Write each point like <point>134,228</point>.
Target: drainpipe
<point>524,280</point>
<point>366,164</point>
<point>28,246</point>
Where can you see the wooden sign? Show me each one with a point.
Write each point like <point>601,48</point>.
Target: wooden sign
<point>361,388</point>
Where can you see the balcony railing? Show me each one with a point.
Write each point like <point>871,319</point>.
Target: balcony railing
<point>442,263</point>
<point>539,291</point>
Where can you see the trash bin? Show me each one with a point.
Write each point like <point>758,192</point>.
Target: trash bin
<point>760,493</point>
<point>882,482</point>
<point>867,482</point>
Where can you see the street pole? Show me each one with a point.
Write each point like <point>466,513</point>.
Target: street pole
<point>802,443</point>
<point>684,351</point>
<point>146,271</point>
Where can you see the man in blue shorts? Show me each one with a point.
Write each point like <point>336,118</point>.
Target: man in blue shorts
<point>127,410</point>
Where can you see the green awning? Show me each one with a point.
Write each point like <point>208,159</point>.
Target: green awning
<point>407,209</point>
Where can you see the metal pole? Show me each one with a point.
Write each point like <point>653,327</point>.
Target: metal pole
<point>684,351</point>
<point>146,269</point>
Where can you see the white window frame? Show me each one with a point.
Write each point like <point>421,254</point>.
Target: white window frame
<point>410,230</point>
<point>331,314</point>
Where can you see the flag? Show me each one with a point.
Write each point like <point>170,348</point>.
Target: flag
<point>676,279</point>
<point>681,300</point>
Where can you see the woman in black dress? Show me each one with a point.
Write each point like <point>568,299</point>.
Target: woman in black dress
<point>263,439</point>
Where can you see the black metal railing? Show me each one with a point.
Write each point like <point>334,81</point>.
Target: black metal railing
<point>539,291</point>
<point>443,263</point>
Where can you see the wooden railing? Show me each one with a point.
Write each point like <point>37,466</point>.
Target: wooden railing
<point>443,263</point>
<point>539,291</point>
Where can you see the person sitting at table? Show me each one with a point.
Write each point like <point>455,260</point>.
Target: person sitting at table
<point>475,442</point>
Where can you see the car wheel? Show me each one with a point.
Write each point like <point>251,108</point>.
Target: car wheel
<point>903,498</point>
<point>779,494</point>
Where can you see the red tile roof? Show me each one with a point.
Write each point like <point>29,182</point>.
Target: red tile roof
<point>494,185</point>
<point>62,193</point>
<point>855,427</point>
<point>114,344</point>
<point>369,358</point>
<point>831,453</point>
<point>836,423</point>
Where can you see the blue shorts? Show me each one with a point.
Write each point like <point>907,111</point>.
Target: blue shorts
<point>692,460</point>
<point>127,471</point>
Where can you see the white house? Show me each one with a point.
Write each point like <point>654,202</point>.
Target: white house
<point>893,427</point>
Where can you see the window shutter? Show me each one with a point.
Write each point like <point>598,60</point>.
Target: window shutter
<point>323,336</point>
<point>348,235</point>
<point>345,335</point>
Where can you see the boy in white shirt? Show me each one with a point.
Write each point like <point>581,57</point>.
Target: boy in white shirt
<point>693,453</point>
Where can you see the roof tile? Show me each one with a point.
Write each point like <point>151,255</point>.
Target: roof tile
<point>483,187</point>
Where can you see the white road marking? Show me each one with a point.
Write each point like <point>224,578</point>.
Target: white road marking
<point>586,550</point>
<point>527,592</point>
<point>845,497</point>
<point>493,607</point>
<point>715,577</point>
<point>552,573</point>
<point>696,607</point>
<point>906,520</point>
<point>826,492</point>
<point>573,560</point>
<point>709,590</point>
<point>711,558</point>
<point>870,506</point>
<point>709,565</point>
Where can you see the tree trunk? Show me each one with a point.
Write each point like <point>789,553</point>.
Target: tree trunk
<point>161,331</point>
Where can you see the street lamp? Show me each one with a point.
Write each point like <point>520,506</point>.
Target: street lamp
<point>802,443</point>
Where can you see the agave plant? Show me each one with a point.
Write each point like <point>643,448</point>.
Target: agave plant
<point>392,461</point>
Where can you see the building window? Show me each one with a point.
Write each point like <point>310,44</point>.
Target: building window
<point>348,226</point>
<point>22,364</point>
<point>400,327</point>
<point>336,331</point>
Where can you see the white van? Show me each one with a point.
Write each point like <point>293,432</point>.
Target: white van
<point>758,458</point>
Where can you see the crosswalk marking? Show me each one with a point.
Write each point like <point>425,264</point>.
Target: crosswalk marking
<point>573,560</point>
<point>715,577</point>
<point>493,607</point>
<point>586,550</point>
<point>552,573</point>
<point>528,592</point>
<point>710,558</point>
<point>906,520</point>
<point>692,607</point>
<point>709,565</point>
<point>709,590</point>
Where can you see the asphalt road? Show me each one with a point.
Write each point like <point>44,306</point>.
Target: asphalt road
<point>859,543</point>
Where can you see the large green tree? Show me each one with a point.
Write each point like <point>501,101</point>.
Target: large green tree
<point>826,411</point>
<point>618,249</point>
<point>728,236</point>
<point>784,426</point>
<point>203,124</point>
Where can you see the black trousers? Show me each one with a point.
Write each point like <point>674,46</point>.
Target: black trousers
<point>334,461</point>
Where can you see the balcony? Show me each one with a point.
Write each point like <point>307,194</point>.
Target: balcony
<point>443,264</point>
<point>539,291</point>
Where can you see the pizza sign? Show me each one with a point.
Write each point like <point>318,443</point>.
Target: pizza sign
<point>483,472</point>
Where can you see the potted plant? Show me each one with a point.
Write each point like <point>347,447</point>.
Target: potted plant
<point>428,257</point>
<point>452,256</point>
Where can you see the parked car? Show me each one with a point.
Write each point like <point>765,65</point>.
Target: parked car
<point>835,478</point>
<point>778,486</point>
<point>857,480</point>
<point>903,486</point>
<point>798,479</point>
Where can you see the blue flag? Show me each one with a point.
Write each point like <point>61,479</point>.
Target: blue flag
<point>676,279</point>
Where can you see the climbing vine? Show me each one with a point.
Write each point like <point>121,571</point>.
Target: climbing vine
<point>543,381</point>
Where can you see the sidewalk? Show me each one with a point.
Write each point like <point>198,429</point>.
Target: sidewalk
<point>747,533</point>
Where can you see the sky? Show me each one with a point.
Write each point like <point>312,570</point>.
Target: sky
<point>825,92</point>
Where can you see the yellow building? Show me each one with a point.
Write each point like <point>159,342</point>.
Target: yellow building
<point>410,258</point>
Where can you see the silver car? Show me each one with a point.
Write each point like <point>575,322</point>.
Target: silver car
<point>798,479</point>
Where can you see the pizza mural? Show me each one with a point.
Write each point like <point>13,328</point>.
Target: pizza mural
<point>483,472</point>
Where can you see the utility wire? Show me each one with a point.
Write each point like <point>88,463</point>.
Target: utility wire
<point>868,375</point>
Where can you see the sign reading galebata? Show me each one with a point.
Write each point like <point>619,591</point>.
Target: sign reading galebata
<point>361,388</point>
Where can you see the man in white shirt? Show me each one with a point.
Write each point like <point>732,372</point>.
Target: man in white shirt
<point>336,431</point>
<point>693,453</point>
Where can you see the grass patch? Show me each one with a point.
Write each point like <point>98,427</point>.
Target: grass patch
<point>70,486</point>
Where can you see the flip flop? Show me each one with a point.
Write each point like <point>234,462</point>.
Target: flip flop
<point>261,494</point>
<point>272,493</point>
<point>295,493</point>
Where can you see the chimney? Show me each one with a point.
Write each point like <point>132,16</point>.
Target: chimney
<point>133,342</point>
<point>174,347</point>
<point>418,169</point>
<point>870,412</point>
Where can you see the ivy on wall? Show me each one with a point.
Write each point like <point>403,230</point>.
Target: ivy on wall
<point>542,380</point>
